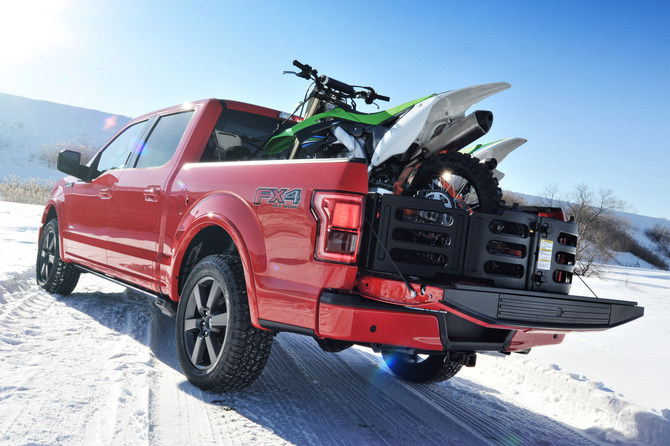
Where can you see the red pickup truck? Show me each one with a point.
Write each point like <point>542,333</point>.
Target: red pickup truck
<point>183,205</point>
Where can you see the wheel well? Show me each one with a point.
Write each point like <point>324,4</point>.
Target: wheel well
<point>211,240</point>
<point>51,215</point>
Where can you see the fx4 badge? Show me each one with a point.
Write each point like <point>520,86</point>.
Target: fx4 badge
<point>278,198</point>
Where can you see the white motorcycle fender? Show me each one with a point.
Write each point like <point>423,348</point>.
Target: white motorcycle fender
<point>403,133</point>
<point>450,107</point>
<point>420,123</point>
<point>498,150</point>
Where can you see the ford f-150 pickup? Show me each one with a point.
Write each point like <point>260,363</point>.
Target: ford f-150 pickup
<point>183,205</point>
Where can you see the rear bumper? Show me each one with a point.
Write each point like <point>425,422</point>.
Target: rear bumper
<point>470,319</point>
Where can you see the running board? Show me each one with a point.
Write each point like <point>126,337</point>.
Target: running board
<point>163,302</point>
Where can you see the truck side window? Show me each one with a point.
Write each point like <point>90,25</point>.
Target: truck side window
<point>240,136</point>
<point>117,153</point>
<point>164,140</point>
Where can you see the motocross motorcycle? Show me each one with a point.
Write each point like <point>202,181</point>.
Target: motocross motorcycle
<point>417,149</point>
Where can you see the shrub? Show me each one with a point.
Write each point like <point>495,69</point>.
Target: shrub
<point>660,235</point>
<point>647,255</point>
<point>26,190</point>
<point>514,198</point>
<point>49,152</point>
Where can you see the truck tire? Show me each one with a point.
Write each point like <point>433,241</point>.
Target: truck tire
<point>417,369</point>
<point>51,273</point>
<point>477,187</point>
<point>218,347</point>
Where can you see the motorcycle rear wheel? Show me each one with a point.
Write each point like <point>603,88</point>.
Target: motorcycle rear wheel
<point>460,181</point>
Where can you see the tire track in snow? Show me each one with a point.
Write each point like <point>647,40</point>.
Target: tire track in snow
<point>20,301</point>
<point>483,412</point>
<point>304,396</point>
<point>181,413</point>
<point>96,347</point>
<point>311,397</point>
<point>176,415</point>
<point>467,404</point>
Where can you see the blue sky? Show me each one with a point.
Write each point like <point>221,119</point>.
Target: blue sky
<point>590,79</point>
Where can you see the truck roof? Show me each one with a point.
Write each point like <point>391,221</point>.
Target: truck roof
<point>231,105</point>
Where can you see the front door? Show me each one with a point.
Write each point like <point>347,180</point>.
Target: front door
<point>85,220</point>
<point>139,203</point>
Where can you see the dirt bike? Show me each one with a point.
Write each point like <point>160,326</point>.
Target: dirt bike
<point>416,149</point>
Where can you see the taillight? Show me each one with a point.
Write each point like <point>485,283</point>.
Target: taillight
<point>340,218</point>
<point>554,213</point>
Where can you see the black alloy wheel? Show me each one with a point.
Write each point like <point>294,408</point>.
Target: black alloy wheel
<point>218,347</point>
<point>51,273</point>
<point>206,322</point>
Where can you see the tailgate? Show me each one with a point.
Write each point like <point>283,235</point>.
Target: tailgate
<point>528,309</point>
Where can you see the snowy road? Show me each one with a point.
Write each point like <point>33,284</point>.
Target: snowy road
<point>99,367</point>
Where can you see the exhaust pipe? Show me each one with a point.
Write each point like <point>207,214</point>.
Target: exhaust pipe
<point>459,135</point>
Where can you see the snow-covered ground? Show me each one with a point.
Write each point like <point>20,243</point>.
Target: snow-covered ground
<point>99,367</point>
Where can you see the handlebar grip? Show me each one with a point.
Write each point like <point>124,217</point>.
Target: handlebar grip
<point>337,85</point>
<point>383,98</point>
<point>298,64</point>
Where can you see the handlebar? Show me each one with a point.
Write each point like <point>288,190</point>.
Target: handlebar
<point>299,65</point>
<point>337,85</point>
<point>372,96</point>
<point>307,72</point>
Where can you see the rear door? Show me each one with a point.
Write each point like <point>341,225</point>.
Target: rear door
<point>139,201</point>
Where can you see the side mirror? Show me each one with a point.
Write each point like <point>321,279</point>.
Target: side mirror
<point>69,162</point>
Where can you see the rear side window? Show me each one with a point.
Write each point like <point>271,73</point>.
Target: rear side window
<point>240,136</point>
<point>164,140</point>
<point>117,154</point>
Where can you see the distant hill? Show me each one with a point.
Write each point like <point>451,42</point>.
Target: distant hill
<point>27,125</point>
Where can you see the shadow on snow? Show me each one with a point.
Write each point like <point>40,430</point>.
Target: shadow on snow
<point>307,396</point>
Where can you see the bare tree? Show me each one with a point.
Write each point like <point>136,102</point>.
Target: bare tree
<point>551,195</point>
<point>601,231</point>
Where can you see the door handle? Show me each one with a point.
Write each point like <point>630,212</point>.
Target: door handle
<point>105,192</point>
<point>152,193</point>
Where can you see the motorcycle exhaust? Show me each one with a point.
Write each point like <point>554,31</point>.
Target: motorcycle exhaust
<point>459,135</point>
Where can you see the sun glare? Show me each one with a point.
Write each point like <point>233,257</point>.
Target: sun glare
<point>110,122</point>
<point>29,27</point>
